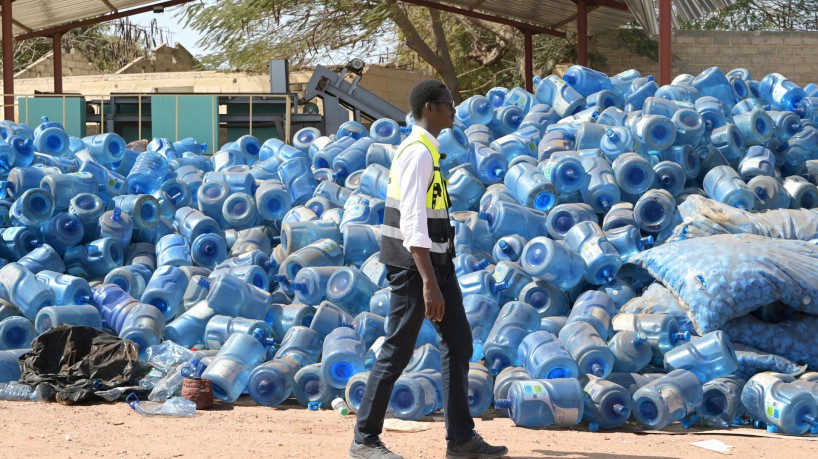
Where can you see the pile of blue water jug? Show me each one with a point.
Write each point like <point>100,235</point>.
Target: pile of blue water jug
<point>265,255</point>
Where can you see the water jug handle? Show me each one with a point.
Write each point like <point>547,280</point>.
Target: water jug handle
<point>132,400</point>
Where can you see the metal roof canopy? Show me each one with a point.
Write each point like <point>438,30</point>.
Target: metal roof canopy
<point>52,18</point>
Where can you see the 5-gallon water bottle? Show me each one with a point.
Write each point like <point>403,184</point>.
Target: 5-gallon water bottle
<point>272,382</point>
<point>301,344</point>
<point>780,404</point>
<point>552,262</point>
<point>230,370</point>
<point>23,290</point>
<point>563,217</point>
<point>310,387</point>
<point>62,231</point>
<point>544,357</point>
<point>602,191</point>
<point>351,290</point>
<point>43,258</point>
<point>310,284</point>
<point>607,405</point>
<point>32,208</point>
<point>324,252</point>
<point>723,184</point>
<point>565,171</point>
<point>95,259</point>
<point>480,393</point>
<point>530,188</point>
<point>342,357</point>
<point>481,312</point>
<point>588,349</point>
<point>67,289</point>
<point>709,357</point>
<point>631,351</point>
<point>804,194</point>
<point>780,92</point>
<point>147,173</point>
<point>144,325</point>
<point>16,333</point>
<point>601,258</point>
<point>541,403</point>
<point>506,218</point>
<point>166,289</point>
<point>416,394</point>
<point>667,399</point>
<point>188,329</point>
<point>219,328</point>
<point>595,308</point>
<point>475,110</point>
<point>662,330</point>
<point>722,399</point>
<point>655,210</point>
<point>628,240</point>
<point>516,321</point>
<point>555,92</point>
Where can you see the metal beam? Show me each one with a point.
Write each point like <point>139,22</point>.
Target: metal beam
<point>56,49</point>
<point>487,17</point>
<point>612,4</point>
<point>665,46</point>
<point>108,17</point>
<point>582,33</point>
<point>573,17</point>
<point>8,60</point>
<point>529,61</point>
<point>21,25</point>
<point>109,5</point>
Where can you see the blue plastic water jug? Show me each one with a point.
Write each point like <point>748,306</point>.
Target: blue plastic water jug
<point>541,403</point>
<point>668,399</point>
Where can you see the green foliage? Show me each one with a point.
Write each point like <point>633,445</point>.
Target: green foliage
<point>246,34</point>
<point>639,42</point>
<point>108,46</point>
<point>769,15</point>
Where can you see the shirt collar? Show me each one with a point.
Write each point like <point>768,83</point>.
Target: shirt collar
<point>417,130</point>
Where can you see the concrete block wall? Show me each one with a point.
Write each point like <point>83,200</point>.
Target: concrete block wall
<point>73,64</point>
<point>789,53</point>
<point>163,59</point>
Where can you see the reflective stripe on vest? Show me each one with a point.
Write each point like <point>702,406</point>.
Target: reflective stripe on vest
<point>437,215</point>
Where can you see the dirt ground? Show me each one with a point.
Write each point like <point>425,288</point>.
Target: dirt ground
<point>244,430</point>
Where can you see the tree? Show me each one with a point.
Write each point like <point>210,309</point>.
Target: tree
<point>110,46</point>
<point>770,15</point>
<point>246,34</point>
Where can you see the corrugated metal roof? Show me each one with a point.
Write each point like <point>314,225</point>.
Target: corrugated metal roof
<point>561,14</point>
<point>34,15</point>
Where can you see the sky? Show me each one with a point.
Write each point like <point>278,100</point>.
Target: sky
<point>188,38</point>
<point>166,20</point>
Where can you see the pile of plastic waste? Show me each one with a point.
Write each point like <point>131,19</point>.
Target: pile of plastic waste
<point>615,239</point>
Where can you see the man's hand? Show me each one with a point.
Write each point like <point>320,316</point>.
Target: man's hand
<point>435,306</point>
<point>432,298</point>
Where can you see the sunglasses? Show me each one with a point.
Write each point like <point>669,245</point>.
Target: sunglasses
<point>450,103</point>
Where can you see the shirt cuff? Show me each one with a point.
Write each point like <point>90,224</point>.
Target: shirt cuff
<point>417,240</point>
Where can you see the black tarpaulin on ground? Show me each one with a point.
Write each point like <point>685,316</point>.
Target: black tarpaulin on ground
<point>77,361</point>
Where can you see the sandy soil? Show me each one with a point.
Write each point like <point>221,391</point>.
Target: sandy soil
<point>243,430</point>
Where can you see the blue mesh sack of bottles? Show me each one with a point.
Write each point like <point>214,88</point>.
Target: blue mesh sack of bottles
<point>752,361</point>
<point>719,278</point>
<point>657,299</point>
<point>705,217</point>
<point>794,338</point>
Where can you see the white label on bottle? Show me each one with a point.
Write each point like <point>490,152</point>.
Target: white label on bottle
<point>82,175</point>
<point>772,407</point>
<point>548,170</point>
<point>534,391</point>
<point>11,233</point>
<point>199,312</point>
<point>591,249</point>
<point>671,396</point>
<point>500,272</point>
<point>329,246</point>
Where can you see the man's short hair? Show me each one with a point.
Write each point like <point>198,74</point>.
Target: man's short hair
<point>423,92</point>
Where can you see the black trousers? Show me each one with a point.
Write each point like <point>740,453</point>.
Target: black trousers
<point>406,314</point>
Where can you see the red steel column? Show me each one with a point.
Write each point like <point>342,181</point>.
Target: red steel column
<point>57,50</point>
<point>582,32</point>
<point>665,47</point>
<point>8,60</point>
<point>529,61</point>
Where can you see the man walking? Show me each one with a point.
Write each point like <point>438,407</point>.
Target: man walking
<point>417,247</point>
